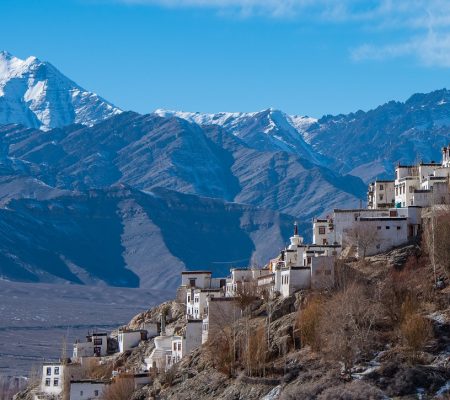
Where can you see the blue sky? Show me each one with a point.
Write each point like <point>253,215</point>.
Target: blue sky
<point>309,57</point>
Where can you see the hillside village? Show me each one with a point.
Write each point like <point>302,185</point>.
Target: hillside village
<point>254,310</point>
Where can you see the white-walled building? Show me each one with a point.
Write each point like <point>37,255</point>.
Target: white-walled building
<point>196,301</point>
<point>381,194</point>
<point>96,345</point>
<point>55,375</point>
<point>423,185</point>
<point>240,276</point>
<point>186,341</point>
<point>395,227</point>
<point>387,233</point>
<point>52,381</point>
<point>300,266</point>
<point>129,339</point>
<point>87,389</point>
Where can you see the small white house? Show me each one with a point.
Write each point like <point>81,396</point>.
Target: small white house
<point>129,339</point>
<point>96,345</point>
<point>381,194</point>
<point>87,389</point>
<point>52,381</point>
<point>196,301</point>
<point>83,349</point>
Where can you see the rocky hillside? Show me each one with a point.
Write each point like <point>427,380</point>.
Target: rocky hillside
<point>35,94</point>
<point>396,322</point>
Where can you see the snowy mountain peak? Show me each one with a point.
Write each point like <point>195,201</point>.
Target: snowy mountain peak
<point>266,130</point>
<point>35,94</point>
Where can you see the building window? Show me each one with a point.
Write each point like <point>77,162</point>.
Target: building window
<point>96,393</point>
<point>381,187</point>
<point>381,197</point>
<point>192,282</point>
<point>196,300</point>
<point>399,227</point>
<point>325,241</point>
<point>47,382</point>
<point>49,370</point>
<point>321,230</point>
<point>378,247</point>
<point>56,370</point>
<point>98,342</point>
<point>55,382</point>
<point>189,298</point>
<point>388,227</point>
<point>81,393</point>
<point>411,189</point>
<point>379,228</point>
<point>179,346</point>
<point>174,347</point>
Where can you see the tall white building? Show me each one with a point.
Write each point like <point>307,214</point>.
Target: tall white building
<point>381,194</point>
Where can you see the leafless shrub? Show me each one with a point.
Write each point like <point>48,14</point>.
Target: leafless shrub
<point>354,390</point>
<point>120,389</point>
<point>254,354</point>
<point>436,239</point>
<point>416,330</point>
<point>308,323</point>
<point>346,325</point>
<point>220,349</point>
<point>246,293</point>
<point>91,368</point>
<point>403,290</point>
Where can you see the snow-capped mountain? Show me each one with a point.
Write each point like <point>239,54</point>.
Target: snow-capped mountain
<point>35,94</point>
<point>266,130</point>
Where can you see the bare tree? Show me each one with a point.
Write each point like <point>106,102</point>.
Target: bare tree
<point>416,330</point>
<point>308,323</point>
<point>346,325</point>
<point>436,240</point>
<point>363,236</point>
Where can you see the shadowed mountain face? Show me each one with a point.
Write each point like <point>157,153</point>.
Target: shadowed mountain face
<point>151,151</point>
<point>124,237</point>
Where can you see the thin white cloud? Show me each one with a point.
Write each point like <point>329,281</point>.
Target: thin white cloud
<point>424,25</point>
<point>432,49</point>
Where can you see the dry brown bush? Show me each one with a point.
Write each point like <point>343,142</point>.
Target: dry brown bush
<point>120,389</point>
<point>436,239</point>
<point>416,330</point>
<point>220,350</point>
<point>308,323</point>
<point>254,354</point>
<point>91,368</point>
<point>347,325</point>
<point>404,289</point>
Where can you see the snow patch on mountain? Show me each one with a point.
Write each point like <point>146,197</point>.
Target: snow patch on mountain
<point>35,94</point>
<point>266,130</point>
